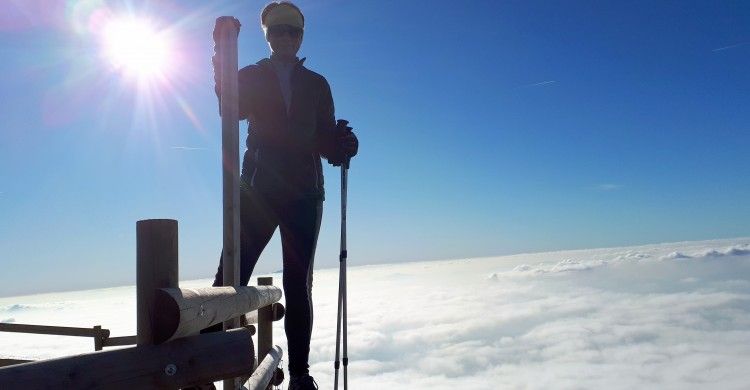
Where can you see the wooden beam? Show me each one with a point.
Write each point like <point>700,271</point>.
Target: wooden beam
<point>156,267</point>
<point>265,324</point>
<point>181,363</point>
<point>263,375</point>
<point>277,309</point>
<point>11,362</point>
<point>54,330</point>
<point>184,312</point>
<point>119,341</point>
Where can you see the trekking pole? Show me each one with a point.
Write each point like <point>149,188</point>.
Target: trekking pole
<point>342,285</point>
<point>344,179</point>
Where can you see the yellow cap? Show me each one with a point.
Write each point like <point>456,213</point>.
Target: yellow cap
<point>284,14</point>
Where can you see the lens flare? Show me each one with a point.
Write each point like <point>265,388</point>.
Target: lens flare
<point>136,48</point>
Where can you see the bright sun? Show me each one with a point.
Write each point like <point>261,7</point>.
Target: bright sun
<point>136,48</point>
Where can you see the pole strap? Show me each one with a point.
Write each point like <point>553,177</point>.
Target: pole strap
<point>342,256</point>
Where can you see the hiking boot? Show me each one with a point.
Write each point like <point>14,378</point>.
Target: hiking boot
<point>302,382</point>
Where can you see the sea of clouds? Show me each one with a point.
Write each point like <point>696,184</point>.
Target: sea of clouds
<point>668,316</point>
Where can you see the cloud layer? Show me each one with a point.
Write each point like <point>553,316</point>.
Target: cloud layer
<point>660,316</point>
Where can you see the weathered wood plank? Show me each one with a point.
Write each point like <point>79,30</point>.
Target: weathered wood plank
<point>188,361</point>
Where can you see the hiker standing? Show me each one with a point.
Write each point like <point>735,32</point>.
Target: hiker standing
<point>291,120</point>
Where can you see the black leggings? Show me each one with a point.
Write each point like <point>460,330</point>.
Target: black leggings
<point>299,221</point>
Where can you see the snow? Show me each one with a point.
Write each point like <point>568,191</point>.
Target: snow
<point>671,315</point>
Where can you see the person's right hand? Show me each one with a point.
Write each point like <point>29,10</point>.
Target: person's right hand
<point>216,58</point>
<point>216,64</point>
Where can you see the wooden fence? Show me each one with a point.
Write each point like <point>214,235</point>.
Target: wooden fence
<point>170,352</point>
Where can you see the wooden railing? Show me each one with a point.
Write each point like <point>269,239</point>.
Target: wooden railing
<point>170,352</point>
<point>101,336</point>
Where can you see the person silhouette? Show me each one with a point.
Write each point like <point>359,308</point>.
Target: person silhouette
<point>291,125</point>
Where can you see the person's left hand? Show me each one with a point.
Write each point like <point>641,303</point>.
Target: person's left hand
<point>346,143</point>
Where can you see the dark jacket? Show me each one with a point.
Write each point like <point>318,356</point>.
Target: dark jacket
<point>284,149</point>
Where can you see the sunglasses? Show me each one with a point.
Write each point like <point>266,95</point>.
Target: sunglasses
<point>278,31</point>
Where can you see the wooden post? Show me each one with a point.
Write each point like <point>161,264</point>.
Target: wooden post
<point>229,29</point>
<point>230,136</point>
<point>265,324</point>
<point>156,267</point>
<point>98,339</point>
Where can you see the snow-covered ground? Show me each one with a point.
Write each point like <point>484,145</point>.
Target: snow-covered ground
<point>658,316</point>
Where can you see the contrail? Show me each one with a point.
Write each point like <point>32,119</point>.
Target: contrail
<point>730,46</point>
<point>186,148</point>
<point>541,83</point>
<point>608,187</point>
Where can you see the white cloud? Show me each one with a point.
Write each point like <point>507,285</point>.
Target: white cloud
<point>658,316</point>
<point>674,255</point>
<point>735,250</point>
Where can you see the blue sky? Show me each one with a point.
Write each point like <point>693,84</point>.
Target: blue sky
<point>486,128</point>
